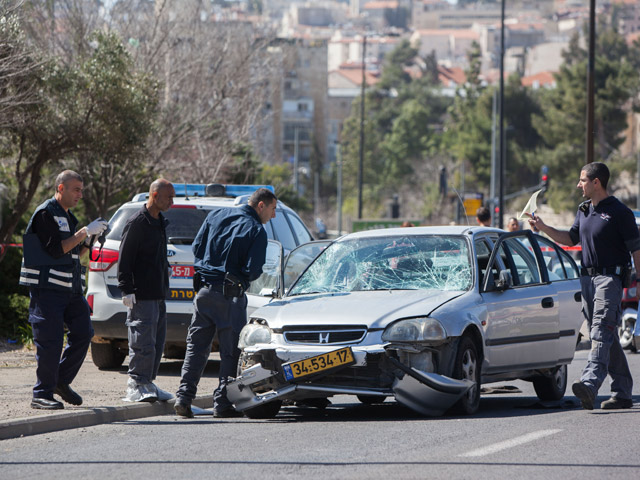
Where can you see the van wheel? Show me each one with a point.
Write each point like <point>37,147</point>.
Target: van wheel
<point>467,366</point>
<point>552,387</point>
<point>106,355</point>
<point>265,411</point>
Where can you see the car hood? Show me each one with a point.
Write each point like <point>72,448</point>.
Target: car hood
<point>375,309</point>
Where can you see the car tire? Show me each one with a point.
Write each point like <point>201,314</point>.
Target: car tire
<point>265,411</point>
<point>371,399</point>
<point>106,355</point>
<point>467,366</point>
<point>552,387</point>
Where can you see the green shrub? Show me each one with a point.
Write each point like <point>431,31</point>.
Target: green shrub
<point>14,314</point>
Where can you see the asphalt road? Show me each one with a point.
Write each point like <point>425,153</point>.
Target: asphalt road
<point>513,436</point>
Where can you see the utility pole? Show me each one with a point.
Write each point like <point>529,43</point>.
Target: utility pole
<point>590,81</point>
<point>339,199</point>
<point>361,160</point>
<point>502,144</point>
<point>296,161</point>
<point>492,188</point>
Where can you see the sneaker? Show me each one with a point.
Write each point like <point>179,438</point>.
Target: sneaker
<point>162,395</point>
<point>584,394</point>
<point>140,392</point>
<point>183,409</point>
<point>615,403</point>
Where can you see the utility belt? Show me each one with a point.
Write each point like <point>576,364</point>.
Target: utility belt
<point>622,271</point>
<point>231,287</point>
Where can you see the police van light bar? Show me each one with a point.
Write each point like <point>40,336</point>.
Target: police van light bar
<point>210,190</point>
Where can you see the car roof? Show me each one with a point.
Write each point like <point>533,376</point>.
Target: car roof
<point>432,230</point>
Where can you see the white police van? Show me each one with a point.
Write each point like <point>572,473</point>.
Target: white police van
<point>192,204</point>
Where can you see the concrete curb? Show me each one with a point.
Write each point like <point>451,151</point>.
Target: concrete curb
<point>54,422</point>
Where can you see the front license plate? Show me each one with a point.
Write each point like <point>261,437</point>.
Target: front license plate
<point>319,363</point>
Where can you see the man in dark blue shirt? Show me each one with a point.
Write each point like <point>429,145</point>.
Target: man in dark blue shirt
<point>607,232</point>
<point>230,250</point>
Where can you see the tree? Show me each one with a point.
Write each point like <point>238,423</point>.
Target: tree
<point>561,120</point>
<point>98,110</point>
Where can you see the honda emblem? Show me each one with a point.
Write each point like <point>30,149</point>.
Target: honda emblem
<point>324,338</point>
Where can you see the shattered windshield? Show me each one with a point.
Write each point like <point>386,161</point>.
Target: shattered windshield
<point>420,262</point>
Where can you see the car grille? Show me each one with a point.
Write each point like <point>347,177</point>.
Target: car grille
<point>325,335</point>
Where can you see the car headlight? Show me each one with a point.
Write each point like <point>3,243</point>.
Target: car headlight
<point>254,333</point>
<point>422,329</point>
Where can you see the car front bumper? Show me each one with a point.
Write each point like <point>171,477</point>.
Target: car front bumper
<point>427,393</point>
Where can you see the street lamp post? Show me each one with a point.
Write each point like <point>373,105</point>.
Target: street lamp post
<point>361,160</point>
<point>501,165</point>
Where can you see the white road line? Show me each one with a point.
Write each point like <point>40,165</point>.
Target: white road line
<point>514,442</point>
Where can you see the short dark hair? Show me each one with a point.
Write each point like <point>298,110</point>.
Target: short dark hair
<point>483,214</point>
<point>597,170</point>
<point>262,195</point>
<point>65,176</point>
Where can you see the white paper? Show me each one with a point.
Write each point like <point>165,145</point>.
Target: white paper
<point>531,206</point>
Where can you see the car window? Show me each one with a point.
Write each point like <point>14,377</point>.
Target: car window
<point>517,255</point>
<point>300,258</point>
<point>282,231</point>
<point>552,261</point>
<point>299,229</point>
<point>409,262</point>
<point>182,228</point>
<point>269,229</point>
<point>483,252</point>
<point>569,265</point>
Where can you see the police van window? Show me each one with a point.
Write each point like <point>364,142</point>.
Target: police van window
<point>299,229</point>
<point>282,231</point>
<point>182,228</point>
<point>269,229</point>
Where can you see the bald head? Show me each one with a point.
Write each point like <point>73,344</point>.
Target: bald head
<point>161,193</point>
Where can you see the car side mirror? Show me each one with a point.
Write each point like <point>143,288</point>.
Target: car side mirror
<point>504,280</point>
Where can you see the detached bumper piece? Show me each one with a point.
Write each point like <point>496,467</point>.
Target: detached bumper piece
<point>427,393</point>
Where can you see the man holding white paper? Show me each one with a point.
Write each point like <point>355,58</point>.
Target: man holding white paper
<point>607,232</point>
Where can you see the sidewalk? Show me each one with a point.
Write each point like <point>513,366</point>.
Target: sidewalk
<point>101,390</point>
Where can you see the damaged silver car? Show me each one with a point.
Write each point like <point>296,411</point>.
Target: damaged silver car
<point>426,315</point>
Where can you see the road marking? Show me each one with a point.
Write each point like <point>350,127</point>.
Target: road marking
<point>514,442</point>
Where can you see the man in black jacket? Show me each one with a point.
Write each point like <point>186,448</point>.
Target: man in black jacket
<point>143,277</point>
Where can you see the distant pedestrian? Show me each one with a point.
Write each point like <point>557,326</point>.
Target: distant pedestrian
<point>407,223</point>
<point>143,278</point>
<point>513,225</point>
<point>483,217</point>
<point>607,232</point>
<point>230,250</point>
<point>51,269</point>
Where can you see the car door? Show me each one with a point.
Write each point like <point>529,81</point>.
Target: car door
<point>522,323</point>
<point>565,275</point>
<point>262,290</point>
<point>300,258</point>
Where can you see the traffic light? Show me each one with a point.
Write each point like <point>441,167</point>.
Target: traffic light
<point>544,178</point>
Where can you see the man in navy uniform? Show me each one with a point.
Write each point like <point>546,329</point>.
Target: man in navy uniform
<point>51,269</point>
<point>607,232</point>
<point>230,250</point>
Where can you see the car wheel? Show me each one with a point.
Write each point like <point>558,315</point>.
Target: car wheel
<point>371,399</point>
<point>106,355</point>
<point>467,366</point>
<point>552,387</point>
<point>625,332</point>
<point>264,411</point>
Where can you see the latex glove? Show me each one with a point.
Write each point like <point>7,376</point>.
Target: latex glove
<point>97,227</point>
<point>129,300</point>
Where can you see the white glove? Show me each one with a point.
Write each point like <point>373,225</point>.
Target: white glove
<point>129,300</point>
<point>97,227</point>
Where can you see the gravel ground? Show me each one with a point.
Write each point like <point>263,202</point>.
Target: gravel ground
<point>98,388</point>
